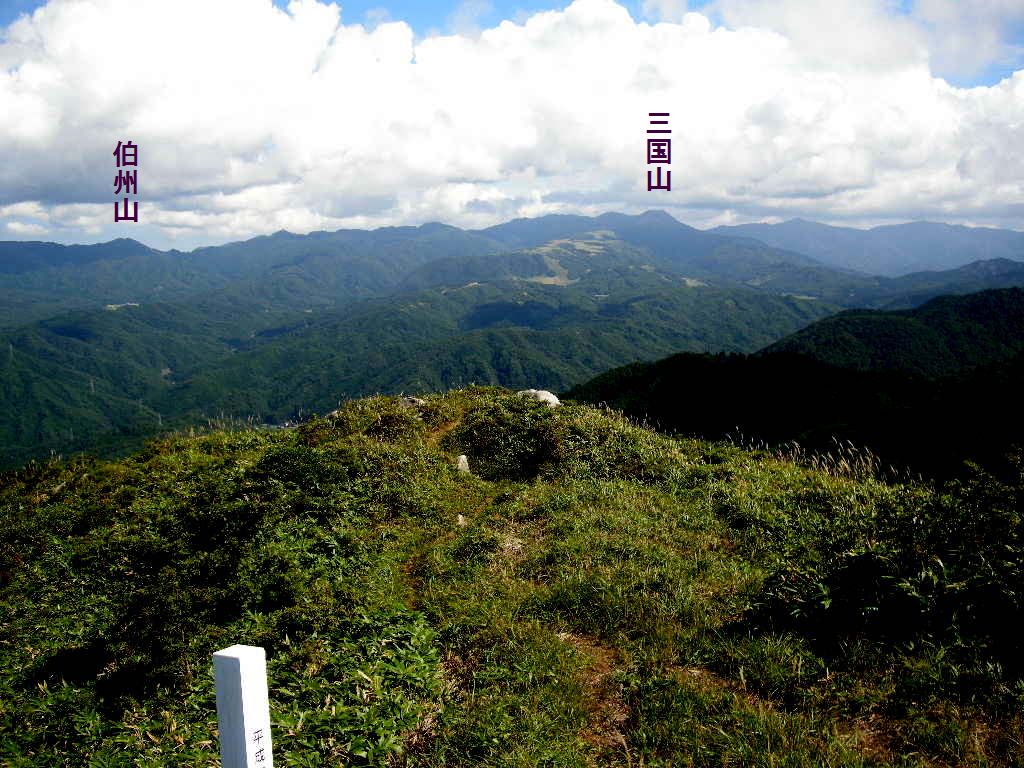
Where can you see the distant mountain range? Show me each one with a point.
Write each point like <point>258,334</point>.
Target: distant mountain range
<point>105,344</point>
<point>841,265</point>
<point>890,250</point>
<point>279,272</point>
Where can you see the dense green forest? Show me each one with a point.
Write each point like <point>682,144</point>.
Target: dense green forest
<point>136,370</point>
<point>301,322</point>
<point>924,390</point>
<point>592,593</point>
<point>110,343</point>
<point>944,336</point>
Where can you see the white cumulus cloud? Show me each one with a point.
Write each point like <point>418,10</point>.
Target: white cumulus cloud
<point>252,119</point>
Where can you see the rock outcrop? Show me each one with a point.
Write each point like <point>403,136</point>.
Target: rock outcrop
<point>542,395</point>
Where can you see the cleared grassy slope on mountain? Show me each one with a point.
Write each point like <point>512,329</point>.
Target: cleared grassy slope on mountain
<point>594,594</point>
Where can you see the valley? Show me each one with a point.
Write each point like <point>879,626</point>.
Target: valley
<point>263,330</point>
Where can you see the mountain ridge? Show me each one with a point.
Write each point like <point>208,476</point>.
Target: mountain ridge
<point>926,388</point>
<point>265,327</point>
<point>889,250</point>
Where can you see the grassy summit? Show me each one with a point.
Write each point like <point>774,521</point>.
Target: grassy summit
<point>593,594</point>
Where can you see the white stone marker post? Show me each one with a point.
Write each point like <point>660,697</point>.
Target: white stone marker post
<point>243,708</point>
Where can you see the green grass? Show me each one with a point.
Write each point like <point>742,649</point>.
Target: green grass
<point>593,594</point>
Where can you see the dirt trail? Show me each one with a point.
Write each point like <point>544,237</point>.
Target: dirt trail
<point>606,710</point>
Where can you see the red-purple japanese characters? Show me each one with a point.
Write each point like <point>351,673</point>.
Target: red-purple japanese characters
<point>126,155</point>
<point>659,152</point>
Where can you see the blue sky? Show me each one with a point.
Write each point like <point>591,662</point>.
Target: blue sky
<point>420,15</point>
<point>433,17</point>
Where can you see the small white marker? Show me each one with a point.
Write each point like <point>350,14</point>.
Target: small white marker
<point>243,707</point>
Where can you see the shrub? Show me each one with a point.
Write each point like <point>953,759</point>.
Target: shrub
<point>508,438</point>
<point>911,568</point>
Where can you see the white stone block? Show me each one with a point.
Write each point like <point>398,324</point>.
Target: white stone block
<point>243,707</point>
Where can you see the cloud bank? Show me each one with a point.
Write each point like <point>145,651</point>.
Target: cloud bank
<point>252,119</point>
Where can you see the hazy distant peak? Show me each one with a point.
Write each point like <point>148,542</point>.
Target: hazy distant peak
<point>659,215</point>
<point>436,226</point>
<point>891,249</point>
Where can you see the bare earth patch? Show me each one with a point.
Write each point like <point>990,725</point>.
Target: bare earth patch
<point>606,711</point>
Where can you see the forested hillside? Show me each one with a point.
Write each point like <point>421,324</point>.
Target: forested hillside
<point>109,343</point>
<point>289,324</point>
<point>944,336</point>
<point>923,390</point>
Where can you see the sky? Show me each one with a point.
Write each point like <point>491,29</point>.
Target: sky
<point>253,116</point>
